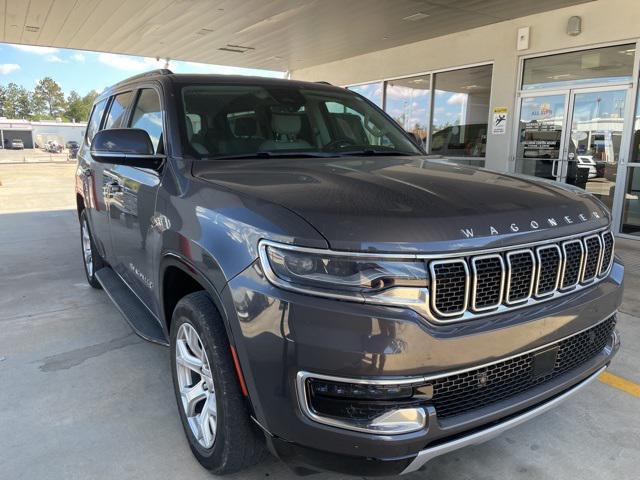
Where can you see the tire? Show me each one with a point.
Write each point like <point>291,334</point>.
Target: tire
<point>91,259</point>
<point>237,443</point>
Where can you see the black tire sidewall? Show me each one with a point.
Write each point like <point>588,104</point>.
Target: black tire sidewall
<point>98,263</point>
<point>233,421</point>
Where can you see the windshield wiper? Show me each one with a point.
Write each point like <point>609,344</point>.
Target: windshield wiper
<point>273,154</point>
<point>372,153</point>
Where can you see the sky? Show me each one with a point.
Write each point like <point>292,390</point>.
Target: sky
<point>85,71</point>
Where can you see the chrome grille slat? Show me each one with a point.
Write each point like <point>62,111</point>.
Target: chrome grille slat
<point>475,285</point>
<point>520,283</point>
<point>549,259</point>
<point>486,289</point>
<point>607,253</point>
<point>593,258</point>
<point>449,286</point>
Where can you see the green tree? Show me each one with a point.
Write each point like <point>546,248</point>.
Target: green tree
<point>24,104</point>
<point>48,99</point>
<point>75,107</point>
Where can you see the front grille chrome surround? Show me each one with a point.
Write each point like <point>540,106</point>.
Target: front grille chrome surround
<point>479,298</point>
<point>549,259</point>
<point>539,272</point>
<point>439,306</point>
<point>593,258</point>
<point>524,261</point>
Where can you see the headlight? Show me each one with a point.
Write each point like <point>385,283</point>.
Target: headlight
<point>351,276</point>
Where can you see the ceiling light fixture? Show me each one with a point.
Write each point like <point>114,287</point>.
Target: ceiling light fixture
<point>415,17</point>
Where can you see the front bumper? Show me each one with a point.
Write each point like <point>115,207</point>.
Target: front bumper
<point>279,334</point>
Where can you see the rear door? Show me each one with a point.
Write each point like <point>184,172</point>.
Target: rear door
<point>134,206</point>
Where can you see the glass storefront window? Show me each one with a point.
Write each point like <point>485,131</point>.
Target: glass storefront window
<point>371,91</point>
<point>600,65</point>
<point>461,112</point>
<point>407,102</point>
<point>630,222</point>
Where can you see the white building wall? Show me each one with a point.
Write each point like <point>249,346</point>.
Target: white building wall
<point>602,21</point>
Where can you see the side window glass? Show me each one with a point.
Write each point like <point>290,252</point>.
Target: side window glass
<point>148,115</point>
<point>94,120</point>
<point>118,110</point>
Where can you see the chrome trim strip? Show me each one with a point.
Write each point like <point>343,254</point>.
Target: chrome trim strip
<point>586,258</point>
<point>562,286</point>
<point>428,256</point>
<point>488,433</point>
<point>531,282</point>
<point>539,270</point>
<point>306,409</point>
<point>434,290</point>
<point>474,279</point>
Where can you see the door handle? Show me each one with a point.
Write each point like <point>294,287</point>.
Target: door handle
<point>554,168</point>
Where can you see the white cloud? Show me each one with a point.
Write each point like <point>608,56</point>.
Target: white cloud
<point>78,57</point>
<point>35,49</point>
<point>7,68</point>
<point>131,64</point>
<point>54,59</point>
<point>457,99</point>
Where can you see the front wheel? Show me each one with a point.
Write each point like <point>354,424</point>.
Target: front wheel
<point>90,256</point>
<point>214,413</point>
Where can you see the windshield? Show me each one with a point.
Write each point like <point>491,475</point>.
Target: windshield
<point>245,121</point>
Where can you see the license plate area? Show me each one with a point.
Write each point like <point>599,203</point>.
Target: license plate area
<point>543,362</point>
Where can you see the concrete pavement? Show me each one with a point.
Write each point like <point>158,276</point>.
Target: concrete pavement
<point>82,397</point>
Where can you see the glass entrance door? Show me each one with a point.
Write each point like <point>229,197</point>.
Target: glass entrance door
<point>592,144</point>
<point>574,137</point>
<point>540,135</point>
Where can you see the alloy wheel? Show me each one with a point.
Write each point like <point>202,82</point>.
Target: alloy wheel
<point>86,249</point>
<point>195,382</point>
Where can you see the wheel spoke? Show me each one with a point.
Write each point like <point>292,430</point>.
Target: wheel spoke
<point>194,343</point>
<point>204,425</point>
<point>186,359</point>
<point>191,396</point>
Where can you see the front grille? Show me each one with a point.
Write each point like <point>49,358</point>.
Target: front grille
<point>460,393</point>
<point>521,269</point>
<point>450,285</point>
<point>549,261</point>
<point>593,248</point>
<point>470,286</point>
<point>488,278</point>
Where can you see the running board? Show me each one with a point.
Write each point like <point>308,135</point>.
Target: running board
<point>134,312</point>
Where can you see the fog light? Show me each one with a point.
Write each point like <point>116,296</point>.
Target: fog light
<point>360,405</point>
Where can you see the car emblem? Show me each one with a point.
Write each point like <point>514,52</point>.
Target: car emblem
<point>482,379</point>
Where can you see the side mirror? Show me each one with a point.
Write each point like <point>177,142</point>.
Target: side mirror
<point>125,146</point>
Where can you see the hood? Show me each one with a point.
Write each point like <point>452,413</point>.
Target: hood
<point>409,203</point>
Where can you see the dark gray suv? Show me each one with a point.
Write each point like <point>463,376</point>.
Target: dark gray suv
<point>328,292</point>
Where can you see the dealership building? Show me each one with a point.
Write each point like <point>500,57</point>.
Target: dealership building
<point>36,134</point>
<point>553,94</point>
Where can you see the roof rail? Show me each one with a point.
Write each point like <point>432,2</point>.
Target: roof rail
<point>150,73</point>
<point>324,82</point>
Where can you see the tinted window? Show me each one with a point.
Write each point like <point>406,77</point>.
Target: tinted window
<point>94,120</point>
<point>147,115</point>
<point>118,110</point>
<point>223,120</point>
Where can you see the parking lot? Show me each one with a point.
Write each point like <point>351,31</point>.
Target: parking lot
<point>32,155</point>
<point>84,397</point>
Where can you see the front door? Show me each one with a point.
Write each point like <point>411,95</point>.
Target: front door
<point>133,204</point>
<point>573,136</point>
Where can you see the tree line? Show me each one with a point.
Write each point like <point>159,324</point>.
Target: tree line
<point>45,102</point>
